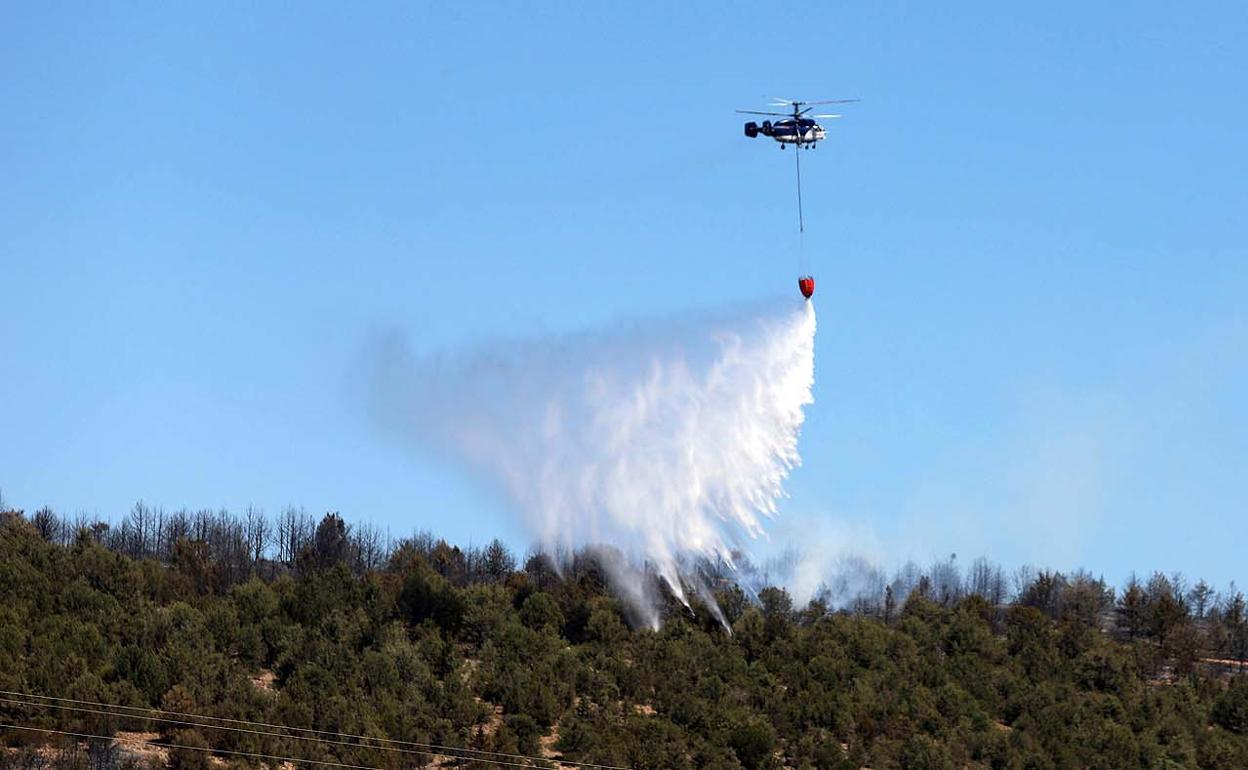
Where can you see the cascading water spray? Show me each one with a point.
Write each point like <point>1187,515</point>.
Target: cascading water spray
<point>662,441</point>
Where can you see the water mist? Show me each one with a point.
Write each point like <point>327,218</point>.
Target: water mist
<point>661,441</point>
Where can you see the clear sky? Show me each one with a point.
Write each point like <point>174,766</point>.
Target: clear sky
<point>1029,240</point>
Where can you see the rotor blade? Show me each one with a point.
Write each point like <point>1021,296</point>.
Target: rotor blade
<point>823,116</point>
<point>752,112</point>
<point>834,101</point>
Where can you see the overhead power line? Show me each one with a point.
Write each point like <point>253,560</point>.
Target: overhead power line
<point>313,735</point>
<point>186,723</point>
<point>252,754</point>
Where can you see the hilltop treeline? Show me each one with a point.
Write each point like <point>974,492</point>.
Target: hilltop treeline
<point>318,624</point>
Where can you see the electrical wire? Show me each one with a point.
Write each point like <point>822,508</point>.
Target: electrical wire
<point>427,747</point>
<point>396,745</point>
<point>164,720</point>
<point>253,754</point>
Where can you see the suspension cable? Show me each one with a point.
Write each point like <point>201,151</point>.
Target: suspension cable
<point>797,156</point>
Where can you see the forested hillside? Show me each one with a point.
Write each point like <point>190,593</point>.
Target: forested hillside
<point>336,628</point>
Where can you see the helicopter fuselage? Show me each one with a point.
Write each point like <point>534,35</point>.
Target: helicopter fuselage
<point>788,130</point>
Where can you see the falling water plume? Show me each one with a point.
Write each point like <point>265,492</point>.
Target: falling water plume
<point>663,441</point>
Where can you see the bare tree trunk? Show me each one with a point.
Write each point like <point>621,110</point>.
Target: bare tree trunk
<point>258,535</point>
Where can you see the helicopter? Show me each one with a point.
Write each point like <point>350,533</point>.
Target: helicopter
<point>797,127</point>
<point>800,129</point>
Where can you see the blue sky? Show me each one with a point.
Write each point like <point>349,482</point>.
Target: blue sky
<point>1029,240</point>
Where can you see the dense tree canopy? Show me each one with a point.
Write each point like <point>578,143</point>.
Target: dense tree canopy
<point>332,627</point>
